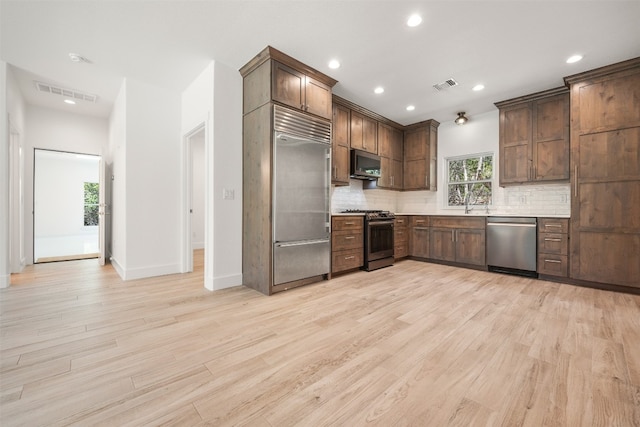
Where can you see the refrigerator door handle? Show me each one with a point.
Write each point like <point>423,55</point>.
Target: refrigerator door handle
<point>300,243</point>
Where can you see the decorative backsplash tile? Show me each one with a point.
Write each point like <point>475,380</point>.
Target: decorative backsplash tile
<point>534,200</point>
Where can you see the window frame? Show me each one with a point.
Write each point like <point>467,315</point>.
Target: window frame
<point>447,182</point>
<point>85,204</point>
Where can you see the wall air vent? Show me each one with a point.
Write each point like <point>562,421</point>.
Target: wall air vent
<point>67,93</point>
<point>445,84</point>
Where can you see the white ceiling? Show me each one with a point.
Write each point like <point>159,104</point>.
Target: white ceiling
<point>512,47</point>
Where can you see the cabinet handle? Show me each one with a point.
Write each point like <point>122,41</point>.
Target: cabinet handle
<point>420,228</point>
<point>553,226</point>
<point>349,237</point>
<point>553,240</point>
<point>575,181</point>
<point>555,261</point>
<point>349,257</point>
<point>349,223</point>
<point>419,220</point>
<point>426,181</point>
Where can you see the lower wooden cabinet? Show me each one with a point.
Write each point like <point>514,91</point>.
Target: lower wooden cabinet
<point>458,239</point>
<point>553,247</point>
<point>419,237</point>
<point>347,243</point>
<point>401,237</point>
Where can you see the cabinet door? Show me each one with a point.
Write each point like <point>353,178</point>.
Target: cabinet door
<point>442,244</point>
<point>419,242</point>
<point>317,98</point>
<point>386,173</point>
<point>364,133</point>
<point>340,125</point>
<point>340,166</point>
<point>551,139</point>
<point>415,174</point>
<point>384,141</point>
<point>288,86</point>
<point>397,181</point>
<point>470,246</point>
<point>415,144</point>
<point>397,145</point>
<point>515,144</point>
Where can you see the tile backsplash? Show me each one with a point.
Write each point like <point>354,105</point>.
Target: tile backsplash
<point>533,200</point>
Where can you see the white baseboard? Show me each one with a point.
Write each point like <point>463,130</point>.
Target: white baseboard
<point>116,265</point>
<point>5,281</point>
<point>223,282</point>
<point>152,271</point>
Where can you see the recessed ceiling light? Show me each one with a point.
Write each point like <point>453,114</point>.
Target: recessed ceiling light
<point>70,101</point>
<point>334,63</point>
<point>478,87</point>
<point>379,90</point>
<point>411,107</point>
<point>574,58</point>
<point>414,20</point>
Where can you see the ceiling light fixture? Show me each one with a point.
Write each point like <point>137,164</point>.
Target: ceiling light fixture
<point>410,107</point>
<point>461,119</point>
<point>414,20</point>
<point>378,90</point>
<point>334,63</point>
<point>70,101</point>
<point>574,58</point>
<point>478,87</point>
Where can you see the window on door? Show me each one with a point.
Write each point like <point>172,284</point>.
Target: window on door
<point>91,203</point>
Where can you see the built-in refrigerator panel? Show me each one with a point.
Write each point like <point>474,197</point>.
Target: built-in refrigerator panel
<point>302,179</point>
<point>301,196</point>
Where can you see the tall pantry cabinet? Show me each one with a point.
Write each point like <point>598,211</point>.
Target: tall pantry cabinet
<point>270,78</point>
<point>605,174</point>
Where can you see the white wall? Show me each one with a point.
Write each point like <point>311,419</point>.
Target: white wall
<point>153,180</point>
<point>198,197</point>
<point>4,180</point>
<point>62,131</point>
<point>227,175</point>
<point>215,98</point>
<point>117,154</point>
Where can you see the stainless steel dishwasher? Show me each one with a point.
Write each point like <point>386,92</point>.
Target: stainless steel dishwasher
<point>512,245</point>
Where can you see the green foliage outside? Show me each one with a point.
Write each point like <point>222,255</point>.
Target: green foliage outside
<point>469,181</point>
<point>91,202</point>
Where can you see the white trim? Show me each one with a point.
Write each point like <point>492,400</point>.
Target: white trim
<point>152,271</point>
<point>225,282</point>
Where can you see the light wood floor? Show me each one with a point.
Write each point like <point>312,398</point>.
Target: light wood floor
<point>415,344</point>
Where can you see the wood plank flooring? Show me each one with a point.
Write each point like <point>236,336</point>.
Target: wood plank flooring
<point>415,344</point>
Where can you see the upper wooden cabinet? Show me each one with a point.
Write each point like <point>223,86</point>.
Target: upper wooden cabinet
<point>275,76</point>
<point>420,156</point>
<point>364,133</point>
<point>390,150</point>
<point>534,138</point>
<point>605,164</point>
<point>340,145</point>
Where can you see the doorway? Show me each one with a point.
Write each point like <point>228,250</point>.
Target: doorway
<point>194,190</point>
<point>16,201</point>
<point>66,206</point>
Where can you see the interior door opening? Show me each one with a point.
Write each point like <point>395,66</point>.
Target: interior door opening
<point>66,206</point>
<point>195,168</point>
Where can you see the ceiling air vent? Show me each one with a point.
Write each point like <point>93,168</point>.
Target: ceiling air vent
<point>67,93</point>
<point>445,84</point>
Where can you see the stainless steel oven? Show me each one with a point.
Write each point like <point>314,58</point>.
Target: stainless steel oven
<point>378,240</point>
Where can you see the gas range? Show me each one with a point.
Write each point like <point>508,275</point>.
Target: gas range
<point>373,215</point>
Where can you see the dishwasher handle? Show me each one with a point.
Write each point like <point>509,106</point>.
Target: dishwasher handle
<point>511,224</point>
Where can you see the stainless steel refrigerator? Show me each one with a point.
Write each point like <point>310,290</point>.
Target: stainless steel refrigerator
<point>301,185</point>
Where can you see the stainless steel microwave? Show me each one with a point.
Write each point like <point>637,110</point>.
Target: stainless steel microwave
<point>364,165</point>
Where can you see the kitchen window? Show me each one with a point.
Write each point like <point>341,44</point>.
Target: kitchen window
<point>469,180</point>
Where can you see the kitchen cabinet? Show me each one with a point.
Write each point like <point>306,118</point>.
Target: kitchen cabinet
<point>605,175</point>
<point>534,138</point>
<point>340,144</point>
<point>458,239</point>
<point>419,236</point>
<point>298,90</point>
<point>364,133</point>
<point>274,76</point>
<point>401,237</point>
<point>420,156</point>
<point>264,89</point>
<point>347,243</point>
<point>553,243</point>
<point>390,150</point>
